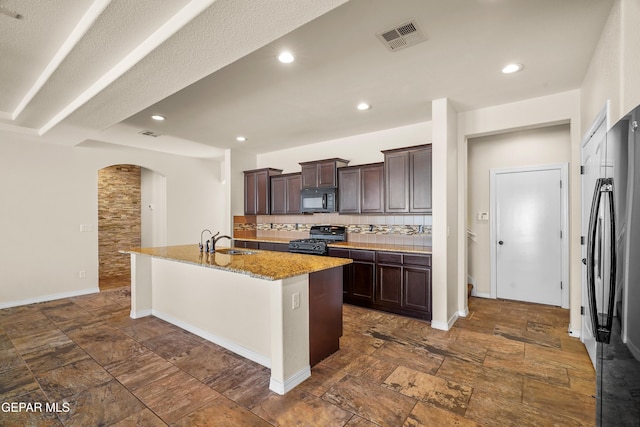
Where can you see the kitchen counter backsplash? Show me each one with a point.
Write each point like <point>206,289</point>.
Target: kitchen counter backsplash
<point>389,229</point>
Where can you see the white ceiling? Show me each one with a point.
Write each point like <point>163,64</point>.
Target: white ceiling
<point>74,71</point>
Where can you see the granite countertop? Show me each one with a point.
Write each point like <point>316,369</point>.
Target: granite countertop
<point>261,264</point>
<point>352,245</point>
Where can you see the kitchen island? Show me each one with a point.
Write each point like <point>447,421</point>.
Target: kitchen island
<point>281,310</point>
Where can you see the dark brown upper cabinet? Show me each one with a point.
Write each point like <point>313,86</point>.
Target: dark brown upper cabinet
<point>285,193</point>
<point>321,173</point>
<point>257,190</point>
<point>407,176</point>
<point>361,189</point>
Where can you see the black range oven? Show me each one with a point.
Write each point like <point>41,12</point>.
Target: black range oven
<point>319,237</point>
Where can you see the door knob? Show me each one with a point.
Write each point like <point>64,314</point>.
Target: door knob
<point>500,242</point>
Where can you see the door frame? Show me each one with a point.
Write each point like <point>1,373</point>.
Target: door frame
<point>564,214</point>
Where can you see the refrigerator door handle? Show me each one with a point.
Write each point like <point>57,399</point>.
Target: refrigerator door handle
<point>602,332</point>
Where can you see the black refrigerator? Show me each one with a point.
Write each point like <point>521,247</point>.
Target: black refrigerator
<point>612,269</point>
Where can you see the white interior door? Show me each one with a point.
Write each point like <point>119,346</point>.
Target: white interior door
<point>528,224</point>
<point>593,152</point>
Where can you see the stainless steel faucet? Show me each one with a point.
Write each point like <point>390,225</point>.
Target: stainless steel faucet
<point>201,245</point>
<point>215,239</point>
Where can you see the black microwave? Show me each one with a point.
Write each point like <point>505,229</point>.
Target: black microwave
<point>319,200</point>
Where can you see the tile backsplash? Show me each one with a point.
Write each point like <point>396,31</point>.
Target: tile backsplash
<point>385,229</point>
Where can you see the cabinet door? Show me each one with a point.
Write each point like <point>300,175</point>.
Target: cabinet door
<point>266,246</point>
<point>309,176</point>
<point>245,244</point>
<point>327,174</point>
<point>363,280</point>
<point>372,189</point>
<point>417,289</point>
<point>347,274</point>
<point>396,177</point>
<point>294,184</point>
<point>250,192</point>
<point>389,291</point>
<point>278,195</point>
<point>280,247</point>
<point>420,180</point>
<point>262,193</point>
<point>349,193</point>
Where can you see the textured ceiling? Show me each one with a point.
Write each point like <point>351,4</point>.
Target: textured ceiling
<point>210,66</point>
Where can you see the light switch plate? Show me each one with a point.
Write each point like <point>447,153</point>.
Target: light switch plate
<point>483,216</point>
<point>295,301</point>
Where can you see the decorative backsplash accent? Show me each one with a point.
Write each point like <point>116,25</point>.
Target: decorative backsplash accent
<point>399,229</point>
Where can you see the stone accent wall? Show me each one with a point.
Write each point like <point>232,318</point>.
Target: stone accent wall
<point>119,219</point>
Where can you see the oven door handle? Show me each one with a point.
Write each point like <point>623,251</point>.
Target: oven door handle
<point>602,332</point>
<point>324,201</point>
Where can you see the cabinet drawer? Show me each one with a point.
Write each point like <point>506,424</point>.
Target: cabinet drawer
<point>340,253</point>
<point>358,255</point>
<point>389,258</point>
<point>418,260</point>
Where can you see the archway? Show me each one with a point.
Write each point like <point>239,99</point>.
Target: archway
<point>131,213</point>
<point>119,222</point>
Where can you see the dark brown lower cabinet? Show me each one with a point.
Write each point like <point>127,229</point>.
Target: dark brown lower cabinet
<point>247,244</point>
<point>389,291</point>
<point>363,275</point>
<point>404,283</point>
<point>389,281</point>
<point>416,289</point>
<point>265,246</point>
<point>359,277</point>
<point>277,247</point>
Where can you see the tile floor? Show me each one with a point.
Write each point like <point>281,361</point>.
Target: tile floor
<point>506,364</point>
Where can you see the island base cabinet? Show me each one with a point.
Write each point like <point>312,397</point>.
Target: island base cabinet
<point>325,314</point>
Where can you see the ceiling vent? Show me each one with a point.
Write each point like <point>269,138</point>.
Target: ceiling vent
<point>149,133</point>
<point>401,36</point>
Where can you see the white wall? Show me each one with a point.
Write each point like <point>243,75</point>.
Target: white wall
<point>358,149</point>
<point>154,208</point>
<point>613,70</point>
<point>445,281</point>
<point>47,191</point>
<point>540,146</point>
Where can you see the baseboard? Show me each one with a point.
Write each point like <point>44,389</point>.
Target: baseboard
<point>635,351</point>
<point>463,313</point>
<point>445,326</point>
<point>288,385</point>
<point>140,313</point>
<point>222,342</point>
<point>575,333</point>
<point>481,294</point>
<point>51,297</point>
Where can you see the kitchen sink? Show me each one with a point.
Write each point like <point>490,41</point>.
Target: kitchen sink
<point>235,252</point>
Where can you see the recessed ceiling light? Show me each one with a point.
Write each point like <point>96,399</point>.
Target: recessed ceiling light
<point>363,106</point>
<point>512,68</point>
<point>241,138</point>
<point>158,117</point>
<point>286,57</point>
